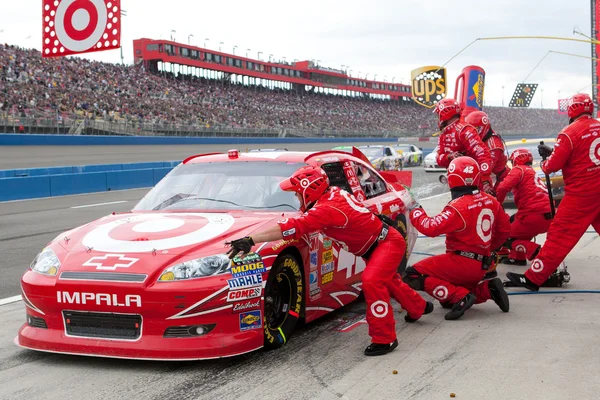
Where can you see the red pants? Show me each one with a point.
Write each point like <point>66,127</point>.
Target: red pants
<point>523,229</point>
<point>575,214</point>
<point>380,281</point>
<point>450,277</point>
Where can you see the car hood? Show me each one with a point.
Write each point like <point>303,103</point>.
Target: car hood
<point>139,242</point>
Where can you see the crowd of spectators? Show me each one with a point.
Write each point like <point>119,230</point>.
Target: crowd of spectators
<point>31,86</point>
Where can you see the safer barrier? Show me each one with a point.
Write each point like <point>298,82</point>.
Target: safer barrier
<point>19,184</point>
<point>86,140</point>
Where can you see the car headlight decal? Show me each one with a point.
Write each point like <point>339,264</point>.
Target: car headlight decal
<point>46,263</point>
<point>198,268</point>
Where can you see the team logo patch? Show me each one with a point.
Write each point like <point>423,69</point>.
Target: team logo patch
<point>440,292</point>
<point>485,221</point>
<point>537,266</point>
<point>379,309</point>
<point>595,151</point>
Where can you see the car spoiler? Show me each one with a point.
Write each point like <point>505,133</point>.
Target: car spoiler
<point>397,178</point>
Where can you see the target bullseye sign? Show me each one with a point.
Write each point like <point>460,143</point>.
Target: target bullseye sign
<point>80,26</point>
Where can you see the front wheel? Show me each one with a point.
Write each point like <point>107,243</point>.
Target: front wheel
<point>420,162</point>
<point>283,301</point>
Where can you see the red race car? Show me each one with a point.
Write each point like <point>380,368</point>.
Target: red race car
<point>155,283</point>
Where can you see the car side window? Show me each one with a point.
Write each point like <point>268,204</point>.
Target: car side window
<point>388,152</point>
<point>336,175</point>
<point>370,182</point>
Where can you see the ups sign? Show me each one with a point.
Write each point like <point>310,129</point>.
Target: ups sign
<point>428,85</point>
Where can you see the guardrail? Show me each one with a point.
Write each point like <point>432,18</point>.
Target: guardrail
<point>20,184</point>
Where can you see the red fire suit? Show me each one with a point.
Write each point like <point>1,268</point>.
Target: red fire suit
<point>462,138</point>
<point>499,159</point>
<point>533,215</point>
<point>343,218</point>
<point>473,223</point>
<point>577,153</point>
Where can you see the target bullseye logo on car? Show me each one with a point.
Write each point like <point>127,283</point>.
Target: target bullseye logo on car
<point>79,26</point>
<point>155,232</point>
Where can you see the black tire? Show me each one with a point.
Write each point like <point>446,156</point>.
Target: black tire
<point>284,297</point>
<point>420,161</point>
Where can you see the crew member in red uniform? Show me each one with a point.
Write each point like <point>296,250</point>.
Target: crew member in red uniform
<point>343,218</point>
<point>494,143</point>
<point>577,153</point>
<point>533,215</point>
<point>474,224</point>
<point>460,139</point>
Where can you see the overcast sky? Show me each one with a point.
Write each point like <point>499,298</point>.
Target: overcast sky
<point>384,37</point>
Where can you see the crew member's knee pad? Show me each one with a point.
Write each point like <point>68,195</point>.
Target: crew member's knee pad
<point>414,279</point>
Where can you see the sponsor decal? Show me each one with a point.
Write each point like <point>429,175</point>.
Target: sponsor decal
<point>248,269</point>
<point>282,243</point>
<point>327,257</point>
<point>293,265</point>
<point>440,292</point>
<point>394,208</point>
<point>289,232</point>
<point>243,294</point>
<point>327,278</point>
<point>428,85</point>
<point>314,258</point>
<point>315,293</point>
<point>99,299</point>
<point>247,305</point>
<point>537,265</point>
<point>250,320</point>
<point>327,243</point>
<point>379,309</point>
<point>110,262</point>
<point>326,268</point>
<point>245,281</point>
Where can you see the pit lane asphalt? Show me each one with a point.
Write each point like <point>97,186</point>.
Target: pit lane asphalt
<point>544,348</point>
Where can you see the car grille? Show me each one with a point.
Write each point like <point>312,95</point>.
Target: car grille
<point>103,325</point>
<point>102,276</point>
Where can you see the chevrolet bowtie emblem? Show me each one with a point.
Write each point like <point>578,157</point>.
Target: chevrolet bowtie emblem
<point>110,262</point>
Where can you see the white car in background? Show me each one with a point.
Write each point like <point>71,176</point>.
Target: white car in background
<point>430,164</point>
<point>411,154</point>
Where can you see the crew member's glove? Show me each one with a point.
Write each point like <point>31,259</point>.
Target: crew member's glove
<point>415,206</point>
<point>386,220</point>
<point>244,245</point>
<point>452,155</point>
<point>545,150</point>
<point>488,188</point>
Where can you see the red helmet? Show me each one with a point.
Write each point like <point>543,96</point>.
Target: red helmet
<point>579,104</point>
<point>447,109</point>
<point>479,120</point>
<point>309,181</point>
<point>521,157</point>
<point>463,171</point>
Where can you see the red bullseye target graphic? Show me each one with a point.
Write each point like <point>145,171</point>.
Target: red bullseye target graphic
<point>80,26</point>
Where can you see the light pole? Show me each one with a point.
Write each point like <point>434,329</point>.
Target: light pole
<point>375,77</point>
<point>343,67</point>
<point>258,55</point>
<point>318,62</point>
<point>172,32</point>
<point>393,79</point>
<point>359,75</point>
<point>350,73</point>
<point>190,36</point>
<point>247,50</point>
<point>367,75</point>
<point>206,40</point>
<point>270,55</point>
<point>234,47</point>
<point>220,43</point>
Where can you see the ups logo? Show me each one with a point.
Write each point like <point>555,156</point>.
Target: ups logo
<point>428,85</point>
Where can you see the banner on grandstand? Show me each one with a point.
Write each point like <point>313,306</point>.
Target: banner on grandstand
<point>523,95</point>
<point>428,85</point>
<point>563,105</point>
<point>74,26</point>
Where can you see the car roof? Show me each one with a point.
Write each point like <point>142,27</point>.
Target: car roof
<point>309,157</point>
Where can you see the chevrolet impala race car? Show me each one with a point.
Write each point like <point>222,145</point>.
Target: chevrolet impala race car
<point>155,282</point>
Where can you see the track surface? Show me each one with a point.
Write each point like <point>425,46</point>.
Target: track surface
<point>543,349</point>
<point>47,156</point>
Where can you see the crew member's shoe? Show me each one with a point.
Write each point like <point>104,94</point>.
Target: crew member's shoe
<point>512,261</point>
<point>522,281</point>
<point>459,308</point>
<point>446,306</point>
<point>376,349</point>
<point>499,294</point>
<point>428,310</point>
<point>491,272</point>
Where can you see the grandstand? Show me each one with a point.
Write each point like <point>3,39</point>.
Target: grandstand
<point>170,94</point>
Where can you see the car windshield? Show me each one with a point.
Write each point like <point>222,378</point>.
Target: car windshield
<point>372,152</point>
<point>403,147</point>
<point>224,185</point>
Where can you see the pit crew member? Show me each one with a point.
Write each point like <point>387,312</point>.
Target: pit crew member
<point>474,224</point>
<point>533,215</point>
<point>577,153</point>
<point>345,219</point>
<point>460,139</point>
